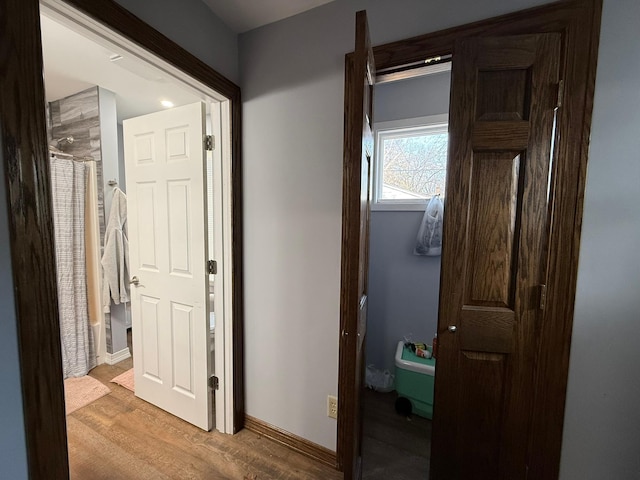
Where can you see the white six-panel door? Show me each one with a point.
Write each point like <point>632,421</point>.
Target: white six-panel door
<point>165,172</point>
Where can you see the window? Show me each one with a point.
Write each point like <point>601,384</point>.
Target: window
<point>411,162</point>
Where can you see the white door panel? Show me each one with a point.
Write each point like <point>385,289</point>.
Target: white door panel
<point>165,168</point>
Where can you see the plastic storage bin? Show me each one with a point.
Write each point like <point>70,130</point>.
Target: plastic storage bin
<point>414,380</point>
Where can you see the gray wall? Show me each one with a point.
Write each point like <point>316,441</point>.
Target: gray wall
<point>13,450</point>
<point>193,26</point>
<point>403,288</point>
<point>416,97</point>
<point>602,420</point>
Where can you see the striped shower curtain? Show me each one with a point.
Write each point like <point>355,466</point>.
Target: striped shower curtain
<point>68,179</point>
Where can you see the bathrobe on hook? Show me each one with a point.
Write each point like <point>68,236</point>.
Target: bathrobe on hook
<point>115,259</point>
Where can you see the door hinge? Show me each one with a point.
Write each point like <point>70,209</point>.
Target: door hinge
<point>209,143</point>
<point>560,93</point>
<point>543,296</point>
<point>214,382</point>
<point>212,267</point>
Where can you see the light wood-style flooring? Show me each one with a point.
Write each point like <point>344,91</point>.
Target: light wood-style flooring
<point>393,447</point>
<point>120,436</point>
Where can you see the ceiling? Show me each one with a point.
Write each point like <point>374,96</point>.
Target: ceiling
<point>244,15</point>
<point>73,62</point>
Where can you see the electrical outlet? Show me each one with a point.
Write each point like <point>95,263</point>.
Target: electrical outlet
<point>332,406</point>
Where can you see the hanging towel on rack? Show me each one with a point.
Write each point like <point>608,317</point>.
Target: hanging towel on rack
<point>429,240</point>
<point>115,259</point>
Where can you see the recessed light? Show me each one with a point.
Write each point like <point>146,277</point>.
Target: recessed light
<point>166,103</point>
<point>115,57</point>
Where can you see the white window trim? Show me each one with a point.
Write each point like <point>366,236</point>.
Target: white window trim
<point>433,121</point>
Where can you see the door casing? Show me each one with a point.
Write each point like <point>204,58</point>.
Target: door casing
<point>25,157</point>
<point>578,21</point>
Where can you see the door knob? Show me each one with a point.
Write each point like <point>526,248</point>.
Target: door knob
<point>134,281</point>
<point>452,328</point>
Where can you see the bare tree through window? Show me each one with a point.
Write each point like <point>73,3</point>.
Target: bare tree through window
<point>413,162</point>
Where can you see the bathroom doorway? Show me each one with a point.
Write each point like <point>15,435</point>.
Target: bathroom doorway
<point>43,394</point>
<point>82,42</point>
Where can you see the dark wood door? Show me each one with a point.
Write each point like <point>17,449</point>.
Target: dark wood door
<point>503,97</point>
<point>358,155</point>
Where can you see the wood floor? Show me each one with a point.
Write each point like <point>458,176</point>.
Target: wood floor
<point>393,447</point>
<point>122,437</point>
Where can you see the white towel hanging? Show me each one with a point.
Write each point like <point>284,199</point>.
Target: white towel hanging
<point>115,259</point>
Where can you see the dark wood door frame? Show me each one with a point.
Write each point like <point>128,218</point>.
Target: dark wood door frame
<point>578,21</point>
<point>25,160</point>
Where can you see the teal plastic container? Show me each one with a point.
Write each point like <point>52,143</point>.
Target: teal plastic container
<point>414,380</point>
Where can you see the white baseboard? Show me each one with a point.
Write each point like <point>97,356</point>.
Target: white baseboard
<point>113,358</point>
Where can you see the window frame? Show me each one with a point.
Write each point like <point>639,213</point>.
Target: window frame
<point>381,130</point>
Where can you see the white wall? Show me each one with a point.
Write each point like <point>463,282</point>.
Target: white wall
<point>193,26</point>
<point>403,288</point>
<point>13,449</point>
<point>292,76</point>
<point>602,420</point>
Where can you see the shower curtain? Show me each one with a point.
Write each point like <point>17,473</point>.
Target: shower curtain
<point>69,180</point>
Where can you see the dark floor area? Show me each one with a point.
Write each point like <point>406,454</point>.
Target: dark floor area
<point>394,447</point>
